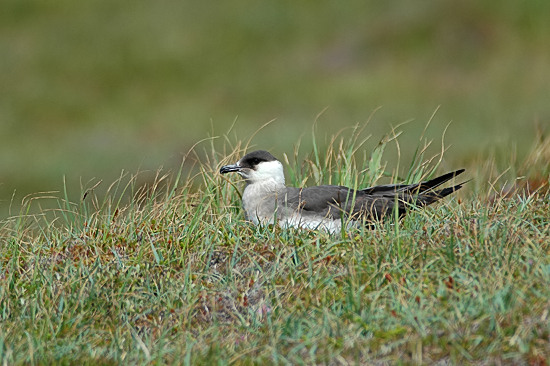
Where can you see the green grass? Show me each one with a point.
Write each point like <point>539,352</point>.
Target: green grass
<point>170,272</point>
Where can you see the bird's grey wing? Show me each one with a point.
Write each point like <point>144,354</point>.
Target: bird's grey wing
<point>335,201</point>
<point>326,201</point>
<point>387,188</point>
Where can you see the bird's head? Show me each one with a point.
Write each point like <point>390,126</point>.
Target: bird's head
<point>257,167</point>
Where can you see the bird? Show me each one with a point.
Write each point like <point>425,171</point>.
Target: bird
<point>267,200</point>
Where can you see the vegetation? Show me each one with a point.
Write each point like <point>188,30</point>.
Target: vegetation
<point>171,273</point>
<point>162,268</point>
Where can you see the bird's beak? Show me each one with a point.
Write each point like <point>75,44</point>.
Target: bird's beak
<point>230,168</point>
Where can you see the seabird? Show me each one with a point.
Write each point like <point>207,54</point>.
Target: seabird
<point>266,199</point>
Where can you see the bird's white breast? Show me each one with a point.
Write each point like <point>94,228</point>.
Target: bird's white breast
<point>260,200</point>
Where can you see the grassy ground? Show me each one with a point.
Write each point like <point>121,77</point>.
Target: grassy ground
<point>174,275</point>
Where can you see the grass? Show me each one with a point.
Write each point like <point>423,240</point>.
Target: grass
<point>171,273</point>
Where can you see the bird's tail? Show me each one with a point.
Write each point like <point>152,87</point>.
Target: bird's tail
<point>424,193</point>
<point>428,197</point>
<point>436,182</point>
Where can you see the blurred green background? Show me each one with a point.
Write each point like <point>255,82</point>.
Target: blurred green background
<point>88,88</point>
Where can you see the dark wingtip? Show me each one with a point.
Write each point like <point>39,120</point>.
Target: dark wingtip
<point>447,191</point>
<point>427,195</point>
<point>451,175</point>
<point>458,172</point>
<point>427,198</point>
<point>436,182</point>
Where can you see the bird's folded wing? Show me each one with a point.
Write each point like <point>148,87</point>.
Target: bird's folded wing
<point>332,201</point>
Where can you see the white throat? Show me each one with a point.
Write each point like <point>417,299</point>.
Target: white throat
<point>268,174</point>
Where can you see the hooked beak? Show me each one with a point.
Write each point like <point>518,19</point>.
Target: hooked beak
<point>230,168</point>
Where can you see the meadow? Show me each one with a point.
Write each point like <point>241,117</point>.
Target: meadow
<point>120,243</point>
<point>171,273</point>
